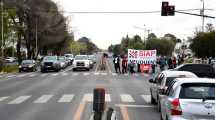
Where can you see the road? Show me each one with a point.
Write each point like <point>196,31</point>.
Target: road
<point>67,95</point>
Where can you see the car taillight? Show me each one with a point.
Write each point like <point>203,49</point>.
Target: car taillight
<point>175,107</point>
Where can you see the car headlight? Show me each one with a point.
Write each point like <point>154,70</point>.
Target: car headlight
<point>30,66</point>
<point>91,62</point>
<point>20,66</point>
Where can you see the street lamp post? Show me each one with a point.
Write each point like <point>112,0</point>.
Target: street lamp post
<point>203,13</point>
<point>2,30</point>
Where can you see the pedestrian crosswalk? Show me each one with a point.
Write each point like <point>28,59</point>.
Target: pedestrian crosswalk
<point>69,98</point>
<point>31,75</point>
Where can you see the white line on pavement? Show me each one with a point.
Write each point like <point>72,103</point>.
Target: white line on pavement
<point>19,100</point>
<point>146,98</point>
<point>3,98</point>
<point>96,73</point>
<point>64,74</point>
<point>32,75</point>
<point>43,75</point>
<point>85,74</point>
<point>89,98</point>
<point>55,74</point>
<point>103,73</point>
<point>43,99</point>
<point>114,74</point>
<point>75,74</point>
<point>66,98</point>
<point>10,76</point>
<point>135,106</point>
<point>126,98</point>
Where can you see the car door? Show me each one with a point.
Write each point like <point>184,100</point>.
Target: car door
<point>158,85</point>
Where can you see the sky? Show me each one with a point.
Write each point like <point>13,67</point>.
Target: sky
<point>107,29</point>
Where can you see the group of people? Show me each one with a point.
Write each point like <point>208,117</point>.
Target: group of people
<point>120,62</point>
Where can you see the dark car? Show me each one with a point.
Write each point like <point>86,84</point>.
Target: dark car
<point>50,63</point>
<point>201,70</point>
<point>28,65</point>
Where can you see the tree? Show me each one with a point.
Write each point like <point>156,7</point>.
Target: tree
<point>203,44</point>
<point>91,47</point>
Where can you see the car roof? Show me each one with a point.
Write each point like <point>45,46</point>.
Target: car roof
<point>170,73</point>
<point>180,81</point>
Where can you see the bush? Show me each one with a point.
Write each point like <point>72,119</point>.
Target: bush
<point>10,68</point>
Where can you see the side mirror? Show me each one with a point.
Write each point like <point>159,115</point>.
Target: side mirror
<point>151,81</point>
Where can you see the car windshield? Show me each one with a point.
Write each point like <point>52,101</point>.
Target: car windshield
<point>50,58</point>
<point>197,91</point>
<point>27,62</point>
<point>61,58</point>
<point>81,57</point>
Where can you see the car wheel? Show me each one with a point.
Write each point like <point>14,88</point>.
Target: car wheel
<point>159,106</point>
<point>161,117</point>
<point>88,69</point>
<point>42,71</point>
<point>20,70</point>
<point>73,69</point>
<point>152,99</point>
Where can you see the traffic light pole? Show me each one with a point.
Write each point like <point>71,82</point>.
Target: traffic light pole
<point>205,16</point>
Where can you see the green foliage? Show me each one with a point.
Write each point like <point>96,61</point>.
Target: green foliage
<point>10,68</point>
<point>203,44</point>
<point>163,46</point>
<point>77,47</point>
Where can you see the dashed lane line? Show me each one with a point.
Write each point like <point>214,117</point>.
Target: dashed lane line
<point>20,100</point>
<point>43,99</point>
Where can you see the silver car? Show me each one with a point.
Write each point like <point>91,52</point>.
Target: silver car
<point>189,99</point>
<point>162,81</point>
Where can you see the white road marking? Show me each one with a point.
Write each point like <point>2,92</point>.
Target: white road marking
<point>43,99</point>
<point>126,74</point>
<point>103,73</point>
<point>126,98</point>
<point>43,75</point>
<point>89,98</point>
<point>3,98</point>
<point>10,76</point>
<point>66,98</point>
<point>22,75</point>
<point>96,73</point>
<point>85,74</point>
<point>32,75</point>
<point>19,100</point>
<point>135,106</point>
<point>75,74</point>
<point>147,75</point>
<point>55,74</point>
<point>64,74</point>
<point>146,98</point>
<point>114,74</point>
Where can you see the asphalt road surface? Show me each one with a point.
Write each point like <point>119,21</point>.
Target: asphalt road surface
<point>67,95</point>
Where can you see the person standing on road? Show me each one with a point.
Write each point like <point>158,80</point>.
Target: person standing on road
<point>174,62</point>
<point>162,63</point>
<point>170,63</point>
<point>116,62</point>
<point>124,64</point>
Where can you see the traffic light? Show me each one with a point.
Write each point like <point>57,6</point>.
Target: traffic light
<point>167,10</point>
<point>164,9</point>
<point>171,10</point>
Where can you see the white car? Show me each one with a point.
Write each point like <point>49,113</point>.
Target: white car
<point>81,62</point>
<point>10,59</point>
<point>189,99</point>
<point>162,81</point>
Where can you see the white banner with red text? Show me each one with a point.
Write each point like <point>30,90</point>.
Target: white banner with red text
<point>142,56</point>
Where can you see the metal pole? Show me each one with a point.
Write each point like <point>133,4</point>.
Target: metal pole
<point>36,38</point>
<point>203,13</point>
<point>2,30</point>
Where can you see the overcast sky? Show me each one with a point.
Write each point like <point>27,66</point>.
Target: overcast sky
<point>106,29</point>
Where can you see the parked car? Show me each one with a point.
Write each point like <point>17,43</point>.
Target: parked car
<point>201,70</point>
<point>81,62</point>
<point>93,58</point>
<point>63,62</point>
<point>189,99</point>
<point>162,81</point>
<point>28,65</point>
<point>70,57</point>
<point>10,59</point>
<point>50,63</point>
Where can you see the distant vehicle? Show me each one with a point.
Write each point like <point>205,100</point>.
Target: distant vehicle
<point>162,81</point>
<point>28,65</point>
<point>50,63</point>
<point>201,70</point>
<point>189,99</point>
<point>63,62</point>
<point>93,58</point>
<point>70,57</point>
<point>10,59</point>
<point>81,62</point>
